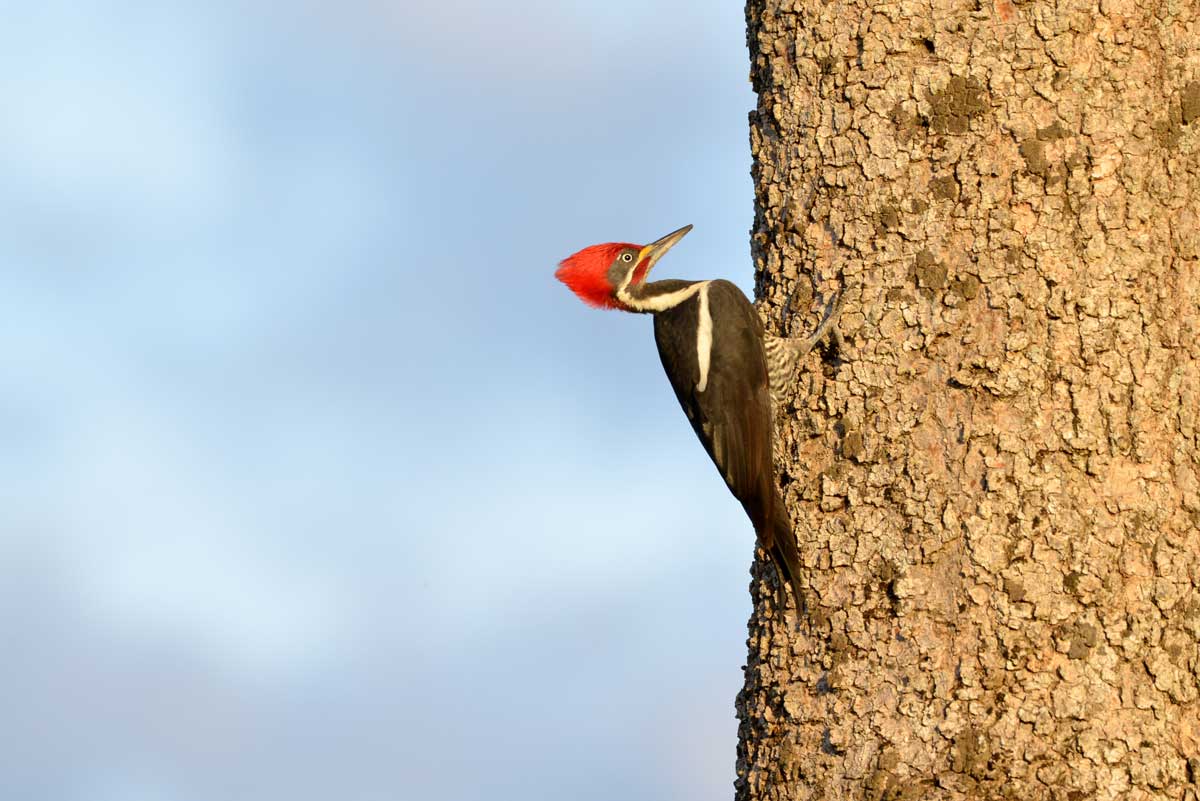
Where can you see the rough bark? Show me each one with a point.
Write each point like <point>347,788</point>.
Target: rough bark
<point>995,477</point>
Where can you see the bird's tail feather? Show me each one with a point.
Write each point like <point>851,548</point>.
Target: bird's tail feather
<point>785,553</point>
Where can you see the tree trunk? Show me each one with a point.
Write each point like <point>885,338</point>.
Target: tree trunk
<point>995,476</point>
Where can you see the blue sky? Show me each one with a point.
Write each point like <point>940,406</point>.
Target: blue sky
<point>315,483</point>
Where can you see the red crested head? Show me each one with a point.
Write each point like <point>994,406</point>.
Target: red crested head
<point>595,273</point>
<point>609,276</point>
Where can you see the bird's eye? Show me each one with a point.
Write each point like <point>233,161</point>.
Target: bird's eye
<point>626,257</point>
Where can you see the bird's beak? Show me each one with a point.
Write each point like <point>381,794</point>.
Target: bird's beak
<point>655,250</point>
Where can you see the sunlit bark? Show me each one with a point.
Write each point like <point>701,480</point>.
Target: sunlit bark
<point>995,477</point>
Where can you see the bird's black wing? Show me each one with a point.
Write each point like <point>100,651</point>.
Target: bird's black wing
<point>732,416</point>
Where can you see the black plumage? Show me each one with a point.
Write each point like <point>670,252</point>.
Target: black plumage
<point>732,412</point>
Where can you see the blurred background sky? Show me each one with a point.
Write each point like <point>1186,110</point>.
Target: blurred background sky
<point>315,483</point>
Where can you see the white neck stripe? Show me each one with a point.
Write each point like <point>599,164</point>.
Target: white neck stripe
<point>704,339</point>
<point>658,303</point>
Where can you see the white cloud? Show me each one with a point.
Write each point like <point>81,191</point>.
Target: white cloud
<point>512,46</point>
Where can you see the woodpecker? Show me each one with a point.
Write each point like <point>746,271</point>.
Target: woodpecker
<point>726,372</point>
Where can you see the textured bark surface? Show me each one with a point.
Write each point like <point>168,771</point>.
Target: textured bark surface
<point>995,478</point>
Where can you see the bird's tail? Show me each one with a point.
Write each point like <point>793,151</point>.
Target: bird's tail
<point>785,553</point>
